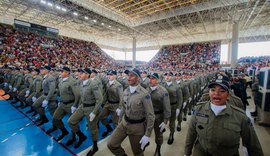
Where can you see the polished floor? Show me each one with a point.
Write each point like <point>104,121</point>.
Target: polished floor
<point>19,136</point>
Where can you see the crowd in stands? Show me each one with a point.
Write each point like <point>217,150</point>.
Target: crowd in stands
<point>29,49</point>
<point>188,56</point>
<point>254,62</point>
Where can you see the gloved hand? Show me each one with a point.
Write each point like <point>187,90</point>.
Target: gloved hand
<point>92,116</point>
<point>144,141</point>
<point>5,84</point>
<point>27,92</point>
<point>184,104</point>
<point>10,87</point>
<point>118,111</point>
<point>14,89</point>
<point>44,103</point>
<point>34,99</point>
<point>162,126</point>
<point>58,104</point>
<point>26,95</point>
<point>195,96</point>
<point>198,94</point>
<point>177,112</point>
<point>73,109</point>
<point>189,99</point>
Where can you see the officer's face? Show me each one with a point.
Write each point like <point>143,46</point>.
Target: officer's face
<point>64,74</point>
<point>111,77</point>
<point>143,75</point>
<point>218,95</point>
<point>133,79</point>
<point>168,78</point>
<point>153,82</point>
<point>84,76</point>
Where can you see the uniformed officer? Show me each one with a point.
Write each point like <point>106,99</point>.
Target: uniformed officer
<point>162,108</point>
<point>123,79</point>
<point>70,96</point>
<point>112,99</point>
<point>216,126</point>
<point>16,86</point>
<point>144,80</point>
<point>48,99</point>
<point>137,118</point>
<point>35,90</point>
<point>89,106</point>
<point>176,101</point>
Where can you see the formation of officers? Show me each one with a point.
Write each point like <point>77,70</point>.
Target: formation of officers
<point>137,102</point>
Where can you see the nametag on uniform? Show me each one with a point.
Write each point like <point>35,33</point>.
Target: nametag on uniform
<point>202,115</point>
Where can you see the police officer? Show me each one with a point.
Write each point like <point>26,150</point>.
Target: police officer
<point>69,95</point>
<point>90,103</point>
<point>137,118</point>
<point>176,101</point>
<point>162,108</point>
<point>35,90</point>
<point>216,126</point>
<point>25,92</point>
<point>113,98</point>
<point>48,99</point>
<point>144,80</point>
<point>16,86</point>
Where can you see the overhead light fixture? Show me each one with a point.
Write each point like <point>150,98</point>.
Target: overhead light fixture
<point>102,23</point>
<point>95,21</point>
<point>49,4</point>
<point>75,13</point>
<point>43,2</point>
<point>119,29</point>
<point>64,9</point>
<point>85,17</point>
<point>57,7</point>
<point>109,26</point>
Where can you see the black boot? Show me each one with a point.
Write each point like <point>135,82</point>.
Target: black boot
<point>71,140</point>
<point>82,138</point>
<point>14,102</point>
<point>44,120</point>
<point>171,139</point>
<point>93,150</point>
<point>24,105</point>
<point>64,133</point>
<point>109,129</point>
<point>20,105</point>
<point>35,113</point>
<point>178,128</point>
<point>52,129</point>
<point>157,152</point>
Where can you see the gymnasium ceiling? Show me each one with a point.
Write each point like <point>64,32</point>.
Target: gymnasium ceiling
<point>113,24</point>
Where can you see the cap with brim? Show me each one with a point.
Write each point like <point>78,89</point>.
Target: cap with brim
<point>226,78</point>
<point>66,69</point>
<point>222,83</point>
<point>126,71</point>
<point>17,68</point>
<point>153,75</point>
<point>94,71</point>
<point>135,71</point>
<point>46,68</point>
<point>144,72</point>
<point>29,69</point>
<point>86,70</point>
<point>111,72</point>
<point>168,74</point>
<point>37,70</point>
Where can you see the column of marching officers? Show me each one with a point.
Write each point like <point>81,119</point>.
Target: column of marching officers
<point>138,102</point>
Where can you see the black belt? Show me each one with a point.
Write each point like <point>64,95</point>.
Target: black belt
<point>174,103</point>
<point>159,112</point>
<point>89,105</point>
<point>134,121</point>
<point>68,102</point>
<point>45,94</point>
<point>111,102</point>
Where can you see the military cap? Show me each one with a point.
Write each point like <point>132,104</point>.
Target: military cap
<point>153,75</point>
<point>221,82</point>
<point>65,69</point>
<point>46,68</point>
<point>126,71</point>
<point>36,70</point>
<point>86,70</point>
<point>169,74</point>
<point>112,72</point>
<point>135,71</point>
<point>94,71</point>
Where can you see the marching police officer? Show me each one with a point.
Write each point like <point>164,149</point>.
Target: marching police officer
<point>69,95</point>
<point>89,106</point>
<point>162,108</point>
<point>137,118</point>
<point>144,80</point>
<point>176,101</point>
<point>113,98</point>
<point>48,99</point>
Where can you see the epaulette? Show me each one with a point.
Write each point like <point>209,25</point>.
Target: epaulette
<point>238,109</point>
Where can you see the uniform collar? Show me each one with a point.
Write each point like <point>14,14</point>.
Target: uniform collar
<point>227,110</point>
